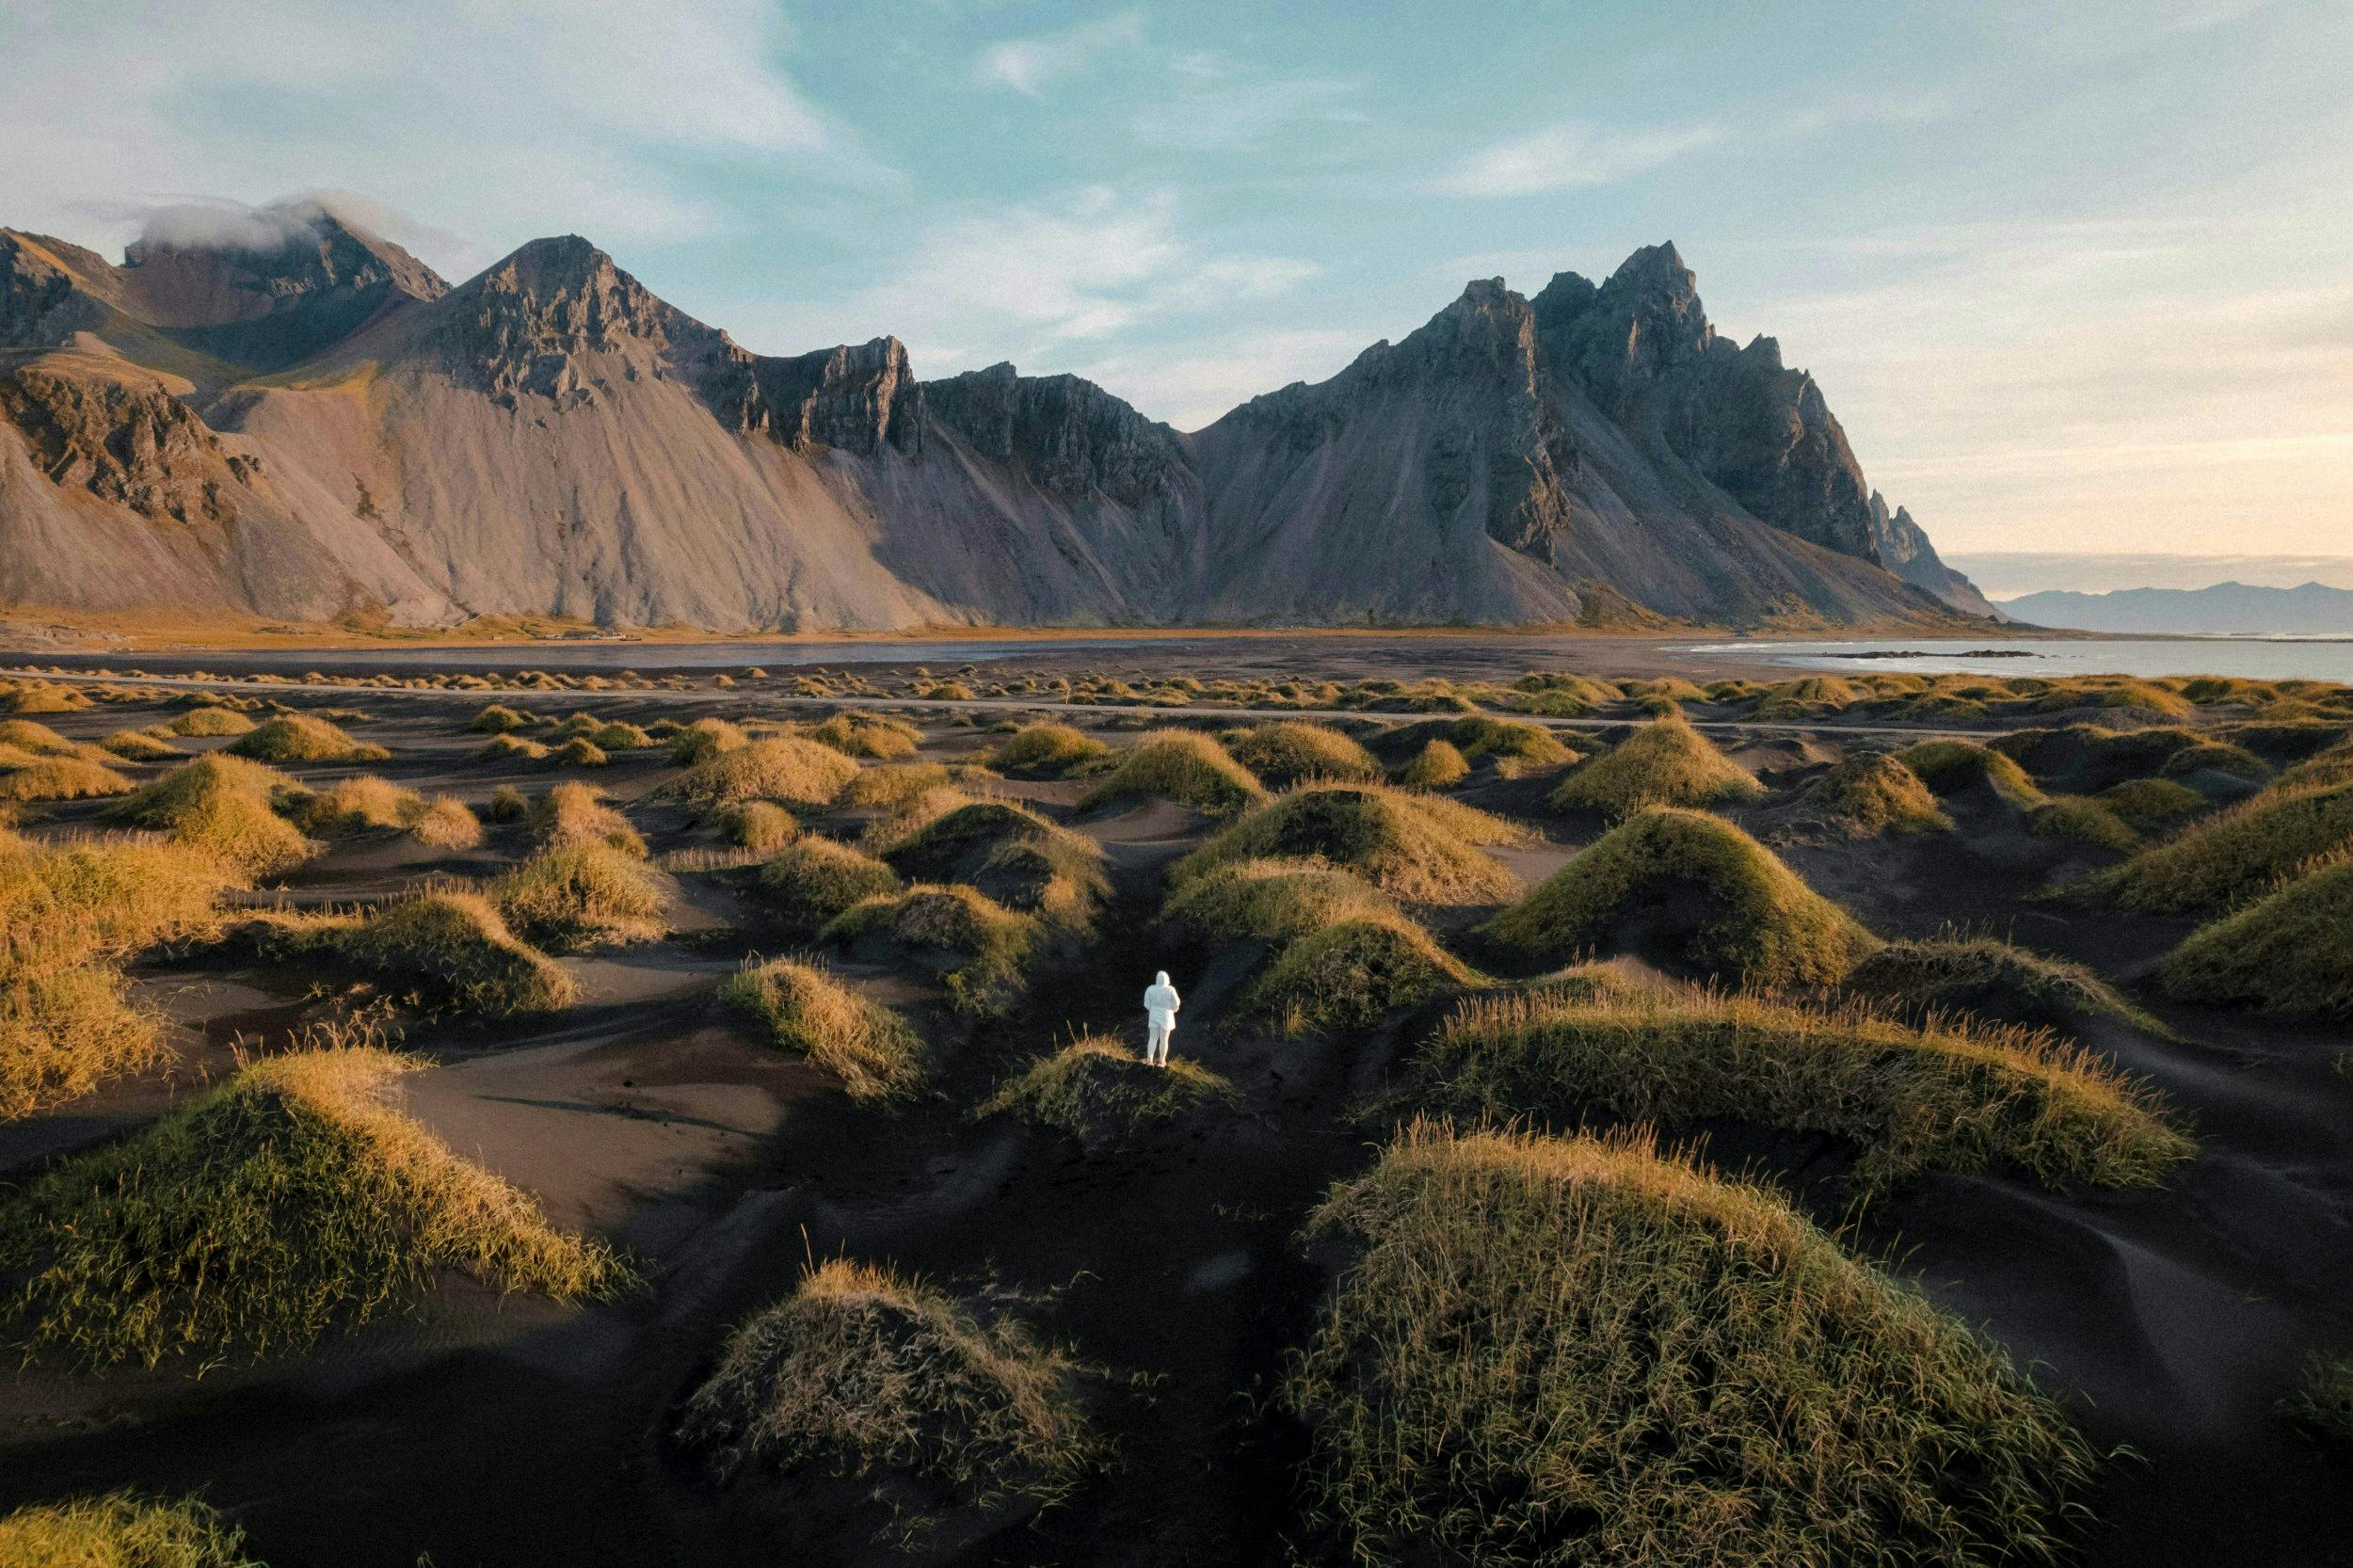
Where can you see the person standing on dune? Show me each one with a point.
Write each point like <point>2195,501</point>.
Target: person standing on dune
<point>1160,1002</point>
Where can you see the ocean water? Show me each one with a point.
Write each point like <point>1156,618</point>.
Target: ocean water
<point>2250,658</point>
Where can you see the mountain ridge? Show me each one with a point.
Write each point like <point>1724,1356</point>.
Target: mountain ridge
<point>2219,609</point>
<point>323,427</point>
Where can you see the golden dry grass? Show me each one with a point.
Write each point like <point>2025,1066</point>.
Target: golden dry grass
<point>788,769</point>
<point>1053,749</point>
<point>800,1006</point>
<point>303,738</point>
<point>578,896</point>
<point>1272,901</point>
<point>1291,751</point>
<point>200,722</point>
<point>879,736</point>
<point>983,949</point>
<point>574,813</point>
<point>1351,974</point>
<point>1864,796</point>
<point>256,1218</point>
<point>223,805</point>
<point>121,1529</point>
<point>758,825</point>
<point>1439,765</point>
<point>814,879</point>
<point>442,950</point>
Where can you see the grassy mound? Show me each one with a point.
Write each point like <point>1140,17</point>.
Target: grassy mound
<point>1051,750</point>
<point>352,806</point>
<point>2006,985</point>
<point>121,1529</point>
<point>1516,747</point>
<point>2143,804</point>
<point>1718,900</point>
<point>1555,1351</point>
<point>303,738</point>
<point>2322,1406</point>
<point>870,1373</point>
<point>783,768</point>
<point>1412,846</point>
<point>578,752</point>
<point>1558,694</point>
<point>62,1034</point>
<point>1439,765</point>
<point>1865,796</point>
<point>499,719</point>
<point>205,722</point>
<point>1807,698</point>
<point>706,738</point>
<point>1664,763</point>
<point>444,822</point>
<point>758,825</point>
<point>1909,1099</point>
<point>816,879</point>
<point>444,949</point>
<point>2290,952</point>
<point>40,697</point>
<point>581,896</point>
<point>1949,767</point>
<point>576,814</point>
<point>1179,765</point>
<point>1273,900</point>
<point>1097,1091</point>
<point>982,948</point>
<point>137,746</point>
<point>510,748</point>
<point>2232,856</point>
<point>869,1048</point>
<point>39,739</point>
<point>255,1217</point>
<point>1348,975</point>
<point>875,735</point>
<point>1293,752</point>
<point>1014,856</point>
<point>893,785</point>
<point>222,805</point>
<point>31,779</point>
<point>2083,820</point>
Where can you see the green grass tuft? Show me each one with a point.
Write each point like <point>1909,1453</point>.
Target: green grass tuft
<point>1570,1352</point>
<point>1055,750</point>
<point>1664,763</point>
<point>1720,901</point>
<point>1179,765</point>
<point>1909,1099</point>
<point>446,950</point>
<point>870,1374</point>
<point>255,1217</point>
<point>1272,901</point>
<point>2231,857</point>
<point>1101,1094</point>
<point>222,806</point>
<point>1439,765</point>
<point>2290,952</point>
<point>814,879</point>
<point>1865,796</point>
<point>1351,974</point>
<point>983,949</point>
<point>1418,847</point>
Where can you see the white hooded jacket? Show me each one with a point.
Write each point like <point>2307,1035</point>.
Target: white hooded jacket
<point>1161,1001</point>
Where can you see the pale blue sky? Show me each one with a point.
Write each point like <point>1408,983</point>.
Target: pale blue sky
<point>2075,274</point>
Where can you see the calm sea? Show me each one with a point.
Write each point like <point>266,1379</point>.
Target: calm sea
<point>2254,657</point>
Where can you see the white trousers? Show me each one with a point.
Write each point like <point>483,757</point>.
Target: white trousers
<point>1156,1042</point>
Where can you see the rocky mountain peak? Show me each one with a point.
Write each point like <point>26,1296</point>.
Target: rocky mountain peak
<point>42,302</point>
<point>858,397</point>
<point>1071,436</point>
<point>525,325</point>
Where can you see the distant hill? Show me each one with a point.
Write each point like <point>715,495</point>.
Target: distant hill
<point>2225,608</point>
<point>327,430</point>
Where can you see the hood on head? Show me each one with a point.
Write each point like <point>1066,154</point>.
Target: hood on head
<point>1160,979</point>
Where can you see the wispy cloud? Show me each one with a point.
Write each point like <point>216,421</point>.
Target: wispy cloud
<point>1037,278</point>
<point>1573,154</point>
<point>1029,65</point>
<point>1219,104</point>
<point>500,122</point>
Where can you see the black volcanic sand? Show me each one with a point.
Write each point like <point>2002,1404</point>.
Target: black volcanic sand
<point>489,1432</point>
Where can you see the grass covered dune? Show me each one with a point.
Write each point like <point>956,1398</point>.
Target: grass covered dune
<point>1579,1351</point>
<point>253,1219</point>
<point>1725,901</point>
<point>1102,1094</point>
<point>121,1529</point>
<point>1909,1099</point>
<point>1411,846</point>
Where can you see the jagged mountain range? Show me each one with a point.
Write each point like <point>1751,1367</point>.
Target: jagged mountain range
<point>328,430</point>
